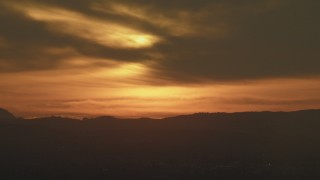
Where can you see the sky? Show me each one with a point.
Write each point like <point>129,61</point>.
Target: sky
<point>152,58</point>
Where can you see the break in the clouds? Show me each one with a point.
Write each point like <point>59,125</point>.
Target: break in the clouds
<point>216,40</point>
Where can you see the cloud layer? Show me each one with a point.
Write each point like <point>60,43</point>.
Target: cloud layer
<point>185,40</point>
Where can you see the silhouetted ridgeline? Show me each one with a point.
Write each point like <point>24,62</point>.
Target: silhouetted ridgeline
<point>252,145</point>
<point>6,115</point>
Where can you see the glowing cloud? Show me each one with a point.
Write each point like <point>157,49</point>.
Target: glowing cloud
<point>179,23</point>
<point>101,31</point>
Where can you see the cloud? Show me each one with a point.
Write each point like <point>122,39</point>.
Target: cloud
<point>277,42</point>
<point>27,44</point>
<point>186,41</point>
<point>104,33</point>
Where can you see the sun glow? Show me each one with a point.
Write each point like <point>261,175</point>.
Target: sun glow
<point>143,40</point>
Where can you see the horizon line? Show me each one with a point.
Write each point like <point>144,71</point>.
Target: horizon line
<point>78,117</point>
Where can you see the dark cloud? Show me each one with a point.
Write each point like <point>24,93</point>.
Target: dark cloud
<point>266,102</point>
<point>281,42</point>
<point>231,40</point>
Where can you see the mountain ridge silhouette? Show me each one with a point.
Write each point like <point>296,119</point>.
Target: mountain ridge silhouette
<point>7,115</point>
<point>248,145</point>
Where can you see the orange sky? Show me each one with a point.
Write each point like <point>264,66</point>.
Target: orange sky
<point>125,91</point>
<point>134,59</point>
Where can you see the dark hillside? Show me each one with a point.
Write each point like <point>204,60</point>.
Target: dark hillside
<point>253,145</point>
